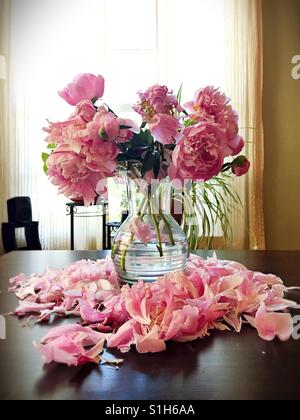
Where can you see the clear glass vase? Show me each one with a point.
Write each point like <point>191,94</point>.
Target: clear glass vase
<point>150,243</point>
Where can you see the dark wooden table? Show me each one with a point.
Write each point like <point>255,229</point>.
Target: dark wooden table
<point>223,366</point>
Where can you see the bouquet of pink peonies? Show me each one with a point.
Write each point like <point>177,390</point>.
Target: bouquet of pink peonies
<point>191,143</point>
<point>184,143</point>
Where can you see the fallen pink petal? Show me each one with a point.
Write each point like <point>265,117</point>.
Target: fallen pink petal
<point>210,294</point>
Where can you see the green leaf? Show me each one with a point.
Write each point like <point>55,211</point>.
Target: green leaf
<point>179,94</point>
<point>189,123</point>
<point>156,165</point>
<point>149,161</point>
<point>45,157</point>
<point>110,110</point>
<point>125,127</point>
<point>51,146</point>
<point>143,139</point>
<point>226,167</point>
<point>122,157</point>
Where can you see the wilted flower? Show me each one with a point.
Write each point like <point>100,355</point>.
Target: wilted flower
<point>158,107</point>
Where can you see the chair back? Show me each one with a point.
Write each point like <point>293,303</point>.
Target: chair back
<point>19,210</point>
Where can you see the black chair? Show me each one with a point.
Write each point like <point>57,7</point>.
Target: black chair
<point>20,216</point>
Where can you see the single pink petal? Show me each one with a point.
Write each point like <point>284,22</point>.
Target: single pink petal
<point>123,338</point>
<point>137,304</point>
<point>176,324</point>
<point>52,352</point>
<point>272,324</point>
<point>71,329</point>
<point>90,315</point>
<point>234,321</point>
<point>32,307</point>
<point>150,343</point>
<point>231,282</point>
<point>72,345</point>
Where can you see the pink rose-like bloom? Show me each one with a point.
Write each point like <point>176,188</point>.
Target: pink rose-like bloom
<point>84,86</point>
<point>164,128</point>
<point>140,229</point>
<point>67,132</point>
<point>77,174</point>
<point>211,105</point>
<point>199,155</point>
<point>240,166</point>
<point>156,100</point>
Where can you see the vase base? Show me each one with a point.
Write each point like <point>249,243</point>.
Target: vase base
<point>149,279</point>
<point>144,262</point>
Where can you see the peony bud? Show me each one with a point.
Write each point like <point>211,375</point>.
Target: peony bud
<point>240,166</point>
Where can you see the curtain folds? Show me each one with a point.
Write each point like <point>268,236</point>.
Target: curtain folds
<point>4,46</point>
<point>244,77</point>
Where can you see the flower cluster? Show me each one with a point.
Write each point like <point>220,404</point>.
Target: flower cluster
<point>186,143</point>
<point>158,107</point>
<point>182,306</point>
<point>85,147</point>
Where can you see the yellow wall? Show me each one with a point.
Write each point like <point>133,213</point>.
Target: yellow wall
<point>282,124</point>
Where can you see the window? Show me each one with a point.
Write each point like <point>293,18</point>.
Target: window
<point>133,43</point>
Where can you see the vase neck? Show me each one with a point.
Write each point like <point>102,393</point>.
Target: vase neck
<point>144,198</point>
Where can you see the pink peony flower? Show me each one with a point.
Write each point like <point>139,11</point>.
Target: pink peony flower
<point>84,86</point>
<point>156,100</point>
<point>164,128</point>
<point>140,229</point>
<point>77,174</point>
<point>67,132</point>
<point>199,155</point>
<point>240,166</point>
<point>149,342</point>
<point>211,105</point>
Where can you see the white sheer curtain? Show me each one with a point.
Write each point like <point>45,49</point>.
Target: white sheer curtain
<point>133,43</point>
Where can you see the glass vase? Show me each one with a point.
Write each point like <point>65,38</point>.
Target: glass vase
<point>150,243</point>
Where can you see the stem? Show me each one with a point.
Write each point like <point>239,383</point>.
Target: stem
<point>168,227</point>
<point>156,224</point>
<point>142,206</point>
<point>123,256</point>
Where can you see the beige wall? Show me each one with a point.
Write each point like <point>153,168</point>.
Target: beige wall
<point>282,124</point>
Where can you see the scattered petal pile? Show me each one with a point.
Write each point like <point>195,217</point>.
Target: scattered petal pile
<point>182,306</point>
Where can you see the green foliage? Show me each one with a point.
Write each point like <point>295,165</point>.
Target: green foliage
<point>179,94</point>
<point>206,206</point>
<point>142,148</point>
<point>45,157</point>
